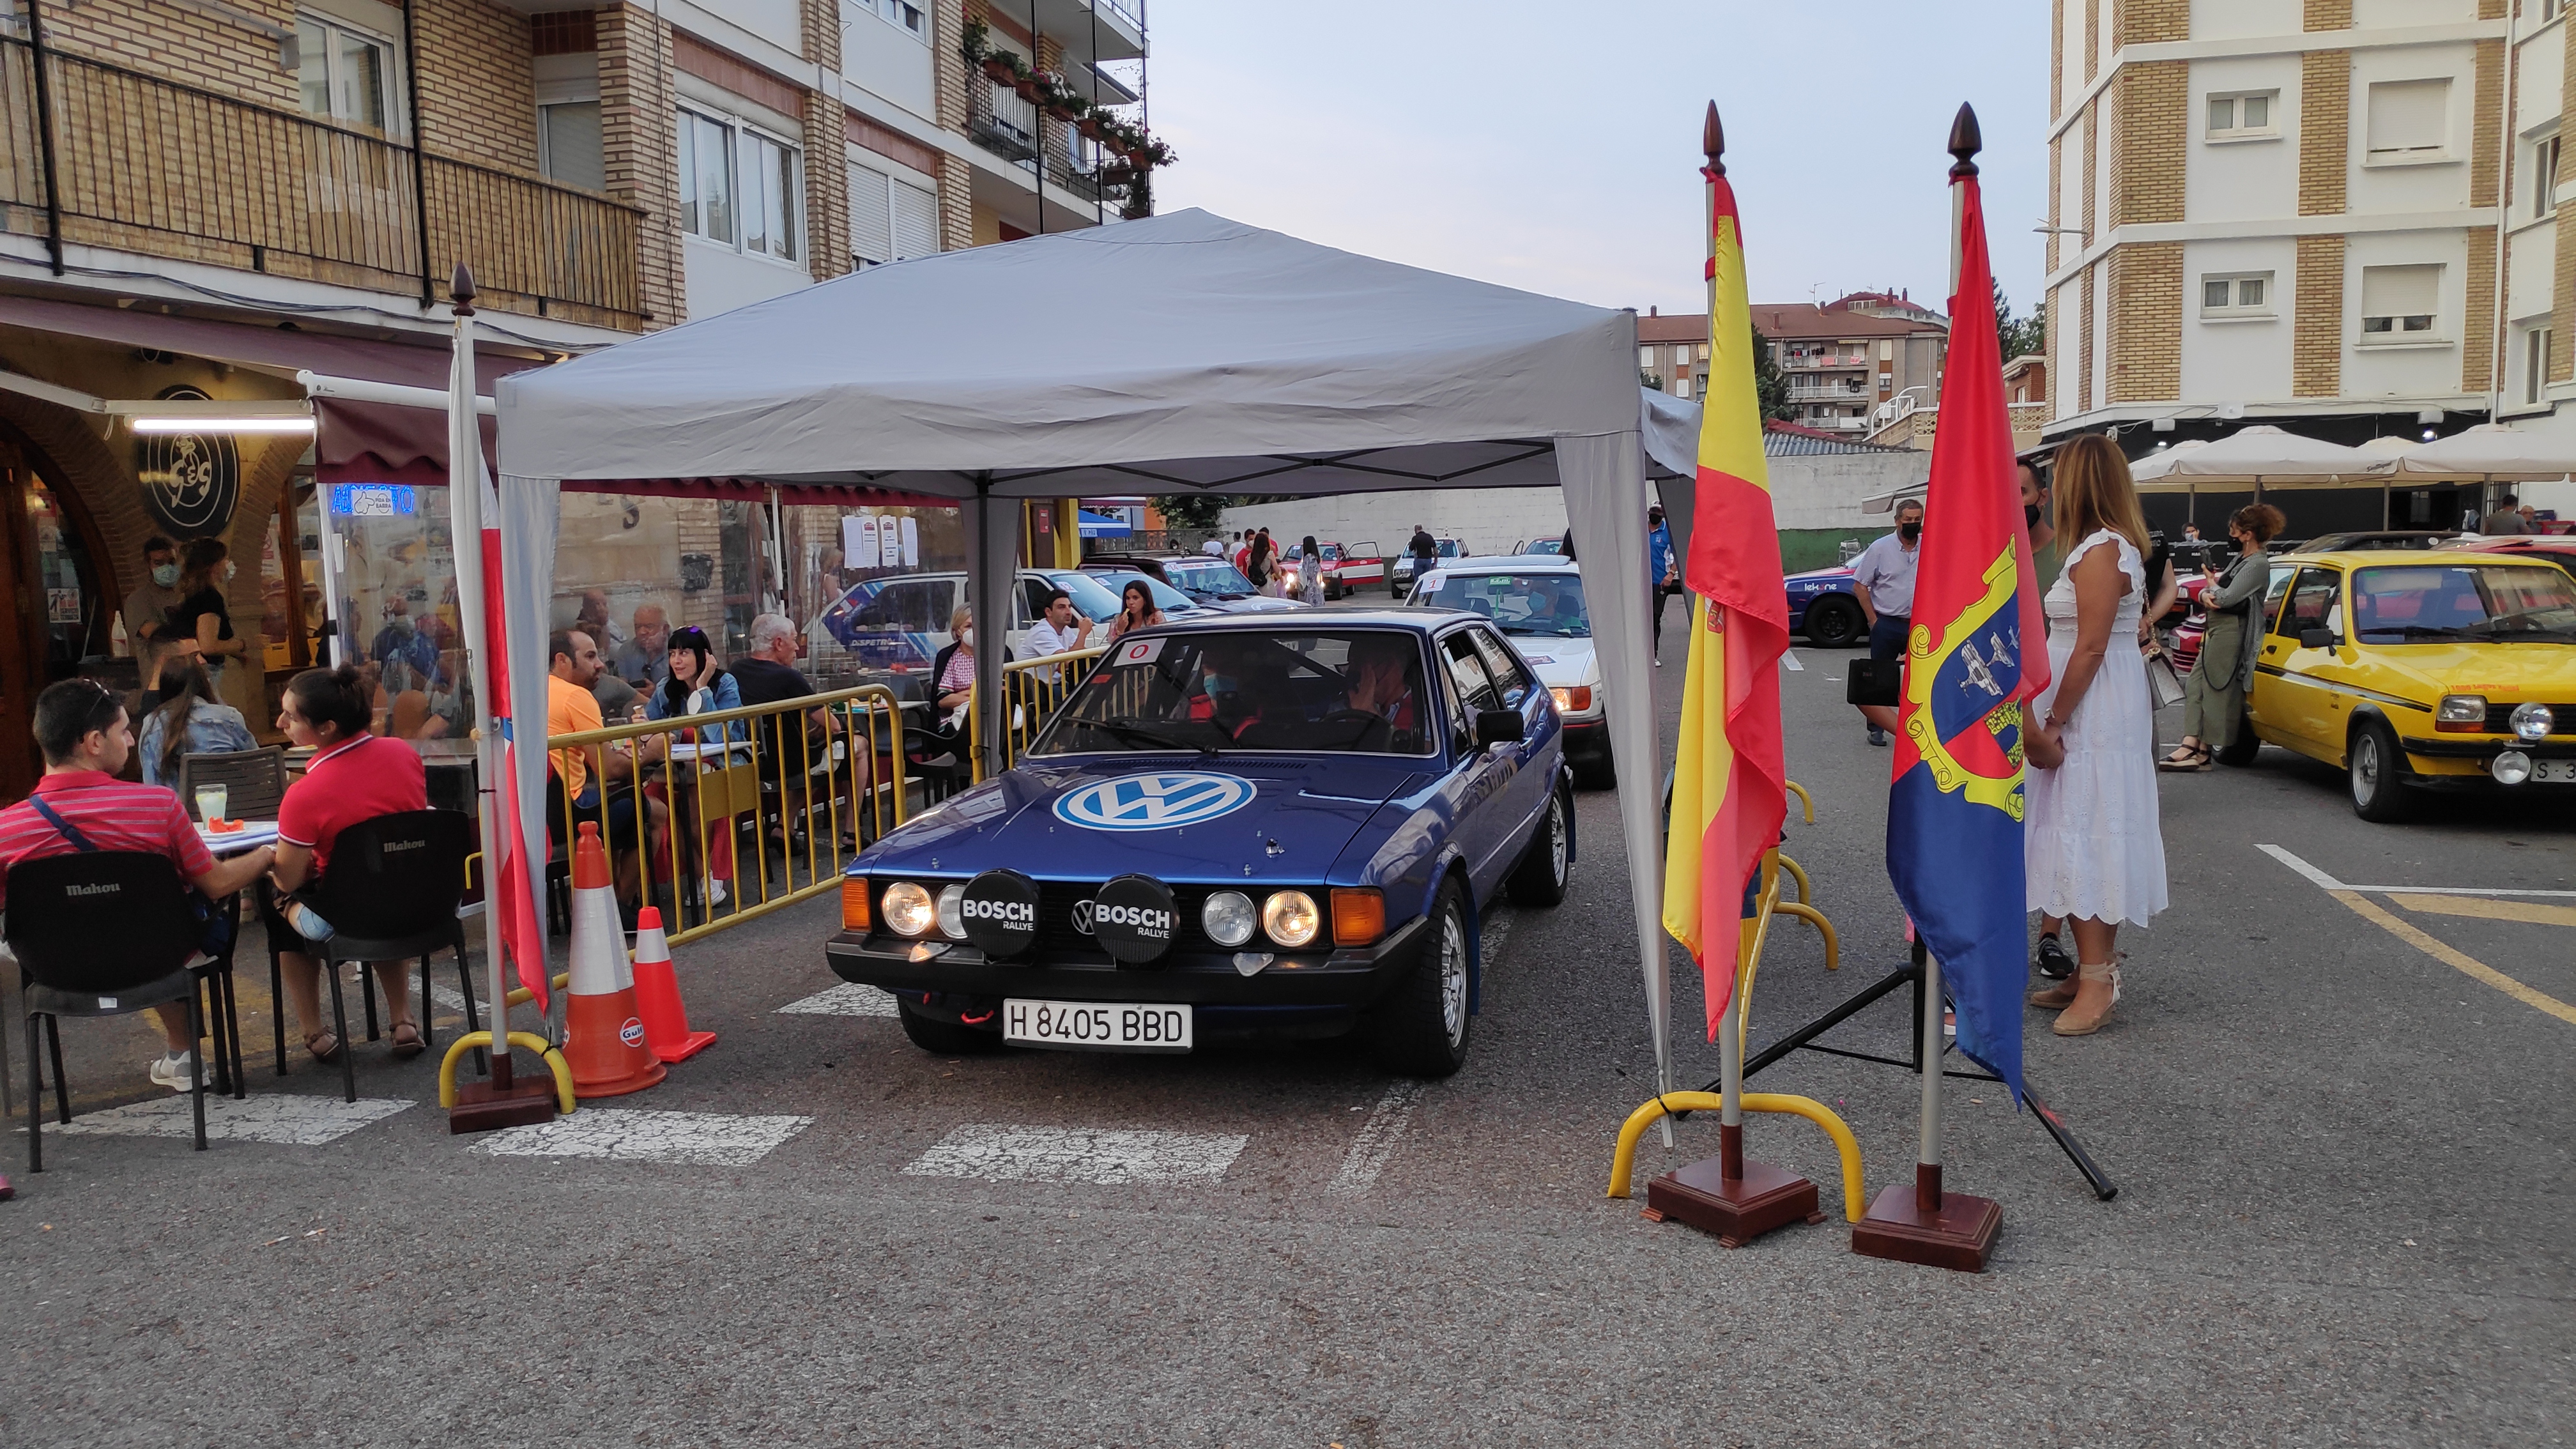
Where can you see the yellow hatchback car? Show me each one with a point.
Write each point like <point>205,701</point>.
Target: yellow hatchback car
<point>2408,670</point>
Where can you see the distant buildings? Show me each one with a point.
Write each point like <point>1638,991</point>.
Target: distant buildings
<point>1863,354</point>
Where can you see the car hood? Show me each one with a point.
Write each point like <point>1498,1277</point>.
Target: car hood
<point>1300,813</point>
<point>1561,663</point>
<point>2506,673</point>
<point>1825,575</point>
<point>1249,604</point>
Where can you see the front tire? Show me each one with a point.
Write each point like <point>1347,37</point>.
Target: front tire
<point>1834,622</point>
<point>2378,775</point>
<point>1597,771</point>
<point>945,1038</point>
<point>1545,867</point>
<point>1422,1026</point>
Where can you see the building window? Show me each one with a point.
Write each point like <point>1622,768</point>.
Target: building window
<point>2243,116</point>
<point>2410,120</point>
<point>739,187</point>
<point>347,75</point>
<point>2242,294</point>
<point>1645,359</point>
<point>2398,304</point>
<point>1681,386</point>
<point>568,147</point>
<point>911,19</point>
<point>890,219</point>
<point>1702,350</point>
<point>2544,175</point>
<point>2535,364</point>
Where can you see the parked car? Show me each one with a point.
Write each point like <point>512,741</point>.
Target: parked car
<point>2445,668</point>
<point>1209,581</point>
<point>2556,548</point>
<point>1537,602</point>
<point>901,621</point>
<point>1399,569</point>
<point>1233,828</point>
<point>1824,605</point>
<point>1533,547</point>
<point>2367,539</point>
<point>1345,569</point>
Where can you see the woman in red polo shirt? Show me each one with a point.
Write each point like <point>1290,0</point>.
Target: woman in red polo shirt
<point>353,776</point>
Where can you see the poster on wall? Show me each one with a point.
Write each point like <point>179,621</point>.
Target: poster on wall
<point>911,542</point>
<point>191,481</point>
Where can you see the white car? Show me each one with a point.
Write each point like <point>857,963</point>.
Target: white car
<point>1537,603</point>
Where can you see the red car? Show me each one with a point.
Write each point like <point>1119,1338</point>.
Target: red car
<point>2558,548</point>
<point>1347,570</point>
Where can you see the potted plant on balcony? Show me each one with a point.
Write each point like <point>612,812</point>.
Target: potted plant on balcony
<point>976,45</point>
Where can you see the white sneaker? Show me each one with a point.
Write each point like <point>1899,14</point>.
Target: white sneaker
<point>715,893</point>
<point>173,1072</point>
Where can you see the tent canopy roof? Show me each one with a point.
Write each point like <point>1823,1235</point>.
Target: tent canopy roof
<point>1185,352</point>
<point>2490,450</point>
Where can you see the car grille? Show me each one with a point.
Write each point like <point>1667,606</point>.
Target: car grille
<point>2500,718</point>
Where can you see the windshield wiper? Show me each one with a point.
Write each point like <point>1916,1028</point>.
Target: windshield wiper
<point>1136,732</point>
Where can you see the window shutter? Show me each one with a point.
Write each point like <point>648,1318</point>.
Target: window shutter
<point>2409,116</point>
<point>916,221</point>
<point>871,223</point>
<point>2399,291</point>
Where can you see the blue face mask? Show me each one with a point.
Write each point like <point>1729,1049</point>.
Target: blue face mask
<point>165,575</point>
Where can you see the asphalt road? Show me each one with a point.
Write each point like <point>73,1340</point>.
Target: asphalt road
<point>2344,1213</point>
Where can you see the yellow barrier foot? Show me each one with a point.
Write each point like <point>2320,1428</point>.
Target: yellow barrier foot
<point>1623,1158</point>
<point>1816,918</point>
<point>504,1101</point>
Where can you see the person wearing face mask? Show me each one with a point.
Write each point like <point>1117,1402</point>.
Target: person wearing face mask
<point>147,609</point>
<point>1883,579</point>
<point>409,658</point>
<point>205,570</point>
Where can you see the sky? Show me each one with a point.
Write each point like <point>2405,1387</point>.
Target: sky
<point>1555,147</point>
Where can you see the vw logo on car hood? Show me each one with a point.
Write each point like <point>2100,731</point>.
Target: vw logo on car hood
<point>1164,800</point>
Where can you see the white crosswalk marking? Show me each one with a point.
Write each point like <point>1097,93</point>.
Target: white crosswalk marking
<point>700,1139</point>
<point>283,1119</point>
<point>1789,660</point>
<point>999,1152</point>
<point>1377,1141</point>
<point>847,999</point>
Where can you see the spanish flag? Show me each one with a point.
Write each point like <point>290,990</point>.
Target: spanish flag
<point>1729,794</point>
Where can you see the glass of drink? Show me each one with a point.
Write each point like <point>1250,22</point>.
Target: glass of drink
<point>211,800</point>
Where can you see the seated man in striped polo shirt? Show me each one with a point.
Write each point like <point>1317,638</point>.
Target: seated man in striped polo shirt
<point>81,805</point>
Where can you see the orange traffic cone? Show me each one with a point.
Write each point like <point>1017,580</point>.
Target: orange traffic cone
<point>657,994</point>
<point>603,1034</point>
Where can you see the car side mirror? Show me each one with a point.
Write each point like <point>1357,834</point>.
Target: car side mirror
<point>1500,727</point>
<point>2317,639</point>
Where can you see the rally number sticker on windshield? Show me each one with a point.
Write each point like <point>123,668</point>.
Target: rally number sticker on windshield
<point>1142,651</point>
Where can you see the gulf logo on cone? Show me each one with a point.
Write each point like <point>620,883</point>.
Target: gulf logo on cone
<point>657,994</point>
<point>603,1031</point>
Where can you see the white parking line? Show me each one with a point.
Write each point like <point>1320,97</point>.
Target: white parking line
<point>698,1139</point>
<point>1789,660</point>
<point>285,1120</point>
<point>2316,877</point>
<point>847,999</point>
<point>2324,881</point>
<point>1377,1141</point>
<point>1000,1152</point>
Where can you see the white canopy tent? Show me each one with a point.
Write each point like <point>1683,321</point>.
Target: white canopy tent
<point>1183,353</point>
<point>2491,453</point>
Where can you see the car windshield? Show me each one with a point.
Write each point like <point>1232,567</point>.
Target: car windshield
<point>1214,579</point>
<point>1448,548</point>
<point>1345,691</point>
<point>2427,603</point>
<point>1163,594</point>
<point>1549,604</point>
<point>1091,598</point>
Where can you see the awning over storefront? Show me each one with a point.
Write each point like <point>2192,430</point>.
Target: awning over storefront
<point>1096,524</point>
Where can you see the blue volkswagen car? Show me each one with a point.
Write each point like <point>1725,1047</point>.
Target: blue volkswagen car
<point>1825,606</point>
<point>1232,828</point>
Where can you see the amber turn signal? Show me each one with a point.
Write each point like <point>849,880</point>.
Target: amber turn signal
<point>854,903</point>
<point>1359,916</point>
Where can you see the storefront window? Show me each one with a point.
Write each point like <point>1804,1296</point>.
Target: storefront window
<point>398,621</point>
<point>636,568</point>
<point>871,587</point>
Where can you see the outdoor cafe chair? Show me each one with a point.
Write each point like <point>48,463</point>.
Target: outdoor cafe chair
<point>100,933</point>
<point>254,781</point>
<point>391,894</point>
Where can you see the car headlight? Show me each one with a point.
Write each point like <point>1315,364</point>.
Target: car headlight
<point>2461,714</point>
<point>1291,918</point>
<point>2510,768</point>
<point>952,912</point>
<point>2533,722</point>
<point>1228,918</point>
<point>909,910</point>
<point>1573,700</point>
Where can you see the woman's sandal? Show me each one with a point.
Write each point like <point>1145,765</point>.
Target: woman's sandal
<point>404,1049</point>
<point>2185,759</point>
<point>313,1044</point>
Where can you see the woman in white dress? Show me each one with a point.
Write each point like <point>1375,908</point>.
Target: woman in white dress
<point>1310,571</point>
<point>2093,848</point>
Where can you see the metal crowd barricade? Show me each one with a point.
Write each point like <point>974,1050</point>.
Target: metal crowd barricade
<point>1032,688</point>
<point>806,782</point>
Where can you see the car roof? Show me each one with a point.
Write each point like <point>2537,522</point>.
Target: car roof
<point>1519,563</point>
<point>2410,558</point>
<point>1308,621</point>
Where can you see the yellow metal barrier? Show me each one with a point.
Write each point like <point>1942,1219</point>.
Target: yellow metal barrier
<point>519,1041</point>
<point>1803,798</point>
<point>1032,688</point>
<point>1623,1161</point>
<point>677,795</point>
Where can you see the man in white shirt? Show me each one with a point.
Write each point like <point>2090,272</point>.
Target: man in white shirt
<point>1062,627</point>
<point>1883,577</point>
<point>1213,548</point>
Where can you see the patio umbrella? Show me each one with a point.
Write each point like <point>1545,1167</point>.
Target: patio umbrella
<point>2490,453</point>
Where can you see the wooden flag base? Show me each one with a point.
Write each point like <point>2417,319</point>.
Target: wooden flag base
<point>1736,1209</point>
<point>485,1106</point>
<point>1923,1224</point>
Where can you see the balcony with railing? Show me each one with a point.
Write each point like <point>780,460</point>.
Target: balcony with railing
<point>1009,125</point>
<point>142,164</point>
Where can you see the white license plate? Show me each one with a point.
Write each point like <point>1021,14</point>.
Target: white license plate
<point>1097,1026</point>
<point>2554,772</point>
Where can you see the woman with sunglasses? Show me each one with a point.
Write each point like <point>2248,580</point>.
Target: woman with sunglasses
<point>698,685</point>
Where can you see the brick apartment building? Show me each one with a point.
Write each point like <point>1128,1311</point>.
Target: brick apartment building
<point>201,200</point>
<point>1846,359</point>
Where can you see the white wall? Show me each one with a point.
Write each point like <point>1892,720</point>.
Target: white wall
<point>2241,180</point>
<point>777,21</point>
<point>2406,370</point>
<point>721,279</point>
<point>2422,186</point>
<point>2374,14</point>
<point>1485,520</point>
<point>1825,490</point>
<point>2238,359</point>
<point>887,61</point>
<point>2237,19</point>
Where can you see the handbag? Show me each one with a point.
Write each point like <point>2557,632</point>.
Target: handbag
<point>2162,681</point>
<point>1874,681</point>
